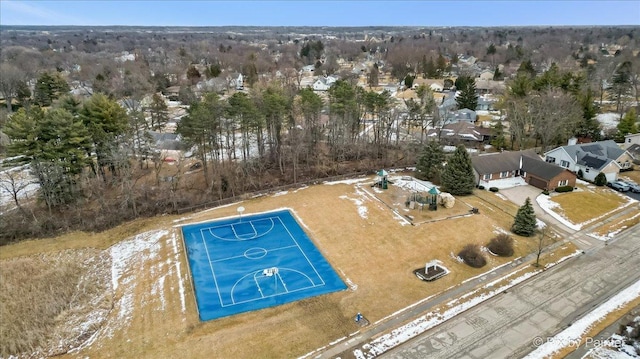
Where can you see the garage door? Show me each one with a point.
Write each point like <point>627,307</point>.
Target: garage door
<point>536,182</point>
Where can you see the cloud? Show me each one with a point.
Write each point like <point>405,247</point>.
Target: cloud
<point>28,13</point>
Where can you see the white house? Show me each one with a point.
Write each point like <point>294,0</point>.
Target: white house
<point>630,140</point>
<point>236,80</point>
<point>591,159</point>
<point>323,83</point>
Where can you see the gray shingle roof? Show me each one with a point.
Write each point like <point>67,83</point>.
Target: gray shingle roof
<point>608,149</point>
<point>540,168</point>
<point>500,162</point>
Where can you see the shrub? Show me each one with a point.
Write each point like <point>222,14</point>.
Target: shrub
<point>564,189</point>
<point>502,245</point>
<point>493,189</point>
<point>580,174</point>
<point>481,187</point>
<point>545,192</point>
<point>472,255</point>
<point>600,179</point>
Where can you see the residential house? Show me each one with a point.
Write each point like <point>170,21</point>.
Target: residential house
<point>235,80</point>
<point>484,104</point>
<point>308,69</point>
<point>590,159</point>
<point>321,84</point>
<point>486,75</point>
<point>461,132</point>
<point>631,139</point>
<point>634,151</point>
<point>215,84</point>
<point>509,169</point>
<point>490,87</point>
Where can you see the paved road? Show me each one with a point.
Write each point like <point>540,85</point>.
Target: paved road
<point>505,326</point>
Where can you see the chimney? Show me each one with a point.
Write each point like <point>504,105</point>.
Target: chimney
<point>572,141</point>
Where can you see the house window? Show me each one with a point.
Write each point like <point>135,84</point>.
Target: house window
<point>564,164</point>
<point>486,177</point>
<point>586,170</point>
<point>504,174</point>
<point>563,183</point>
<point>628,140</point>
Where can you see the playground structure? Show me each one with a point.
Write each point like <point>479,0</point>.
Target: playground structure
<point>432,270</point>
<point>382,181</point>
<point>432,198</point>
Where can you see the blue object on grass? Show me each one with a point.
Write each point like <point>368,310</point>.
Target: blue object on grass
<point>254,262</point>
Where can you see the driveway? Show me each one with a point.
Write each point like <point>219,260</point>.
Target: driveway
<point>518,195</point>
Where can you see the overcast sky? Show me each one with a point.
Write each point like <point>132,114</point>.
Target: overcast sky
<point>320,13</point>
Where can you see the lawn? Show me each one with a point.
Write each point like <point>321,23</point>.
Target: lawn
<point>587,203</point>
<point>372,248</point>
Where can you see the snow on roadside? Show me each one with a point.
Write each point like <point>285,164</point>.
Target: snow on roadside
<point>612,234</point>
<point>432,319</point>
<point>574,333</point>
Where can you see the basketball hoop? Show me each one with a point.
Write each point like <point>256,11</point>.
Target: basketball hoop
<point>240,210</point>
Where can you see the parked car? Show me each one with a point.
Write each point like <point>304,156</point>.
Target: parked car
<point>633,187</point>
<point>619,186</point>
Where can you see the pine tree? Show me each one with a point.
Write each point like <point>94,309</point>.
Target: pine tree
<point>525,220</point>
<point>429,166</point>
<point>627,125</point>
<point>457,177</point>
<point>468,98</point>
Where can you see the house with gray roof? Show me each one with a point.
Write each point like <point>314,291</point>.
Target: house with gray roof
<point>590,159</point>
<point>509,169</point>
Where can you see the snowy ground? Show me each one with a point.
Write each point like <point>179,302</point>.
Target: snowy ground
<point>608,120</point>
<point>22,179</point>
<point>572,336</point>
<point>128,259</point>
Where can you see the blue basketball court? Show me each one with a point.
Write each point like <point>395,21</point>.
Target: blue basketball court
<point>253,262</point>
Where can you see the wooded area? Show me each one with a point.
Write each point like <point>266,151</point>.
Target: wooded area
<point>81,106</point>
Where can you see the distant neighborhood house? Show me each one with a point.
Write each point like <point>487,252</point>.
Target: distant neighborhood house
<point>591,159</point>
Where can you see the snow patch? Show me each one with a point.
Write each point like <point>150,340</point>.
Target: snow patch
<point>347,181</point>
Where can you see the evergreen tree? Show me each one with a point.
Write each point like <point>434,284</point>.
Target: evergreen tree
<point>430,163</point>
<point>49,87</point>
<point>525,221</point>
<point>600,179</point>
<point>457,177</point>
<point>468,98</point>
<point>159,113</point>
<point>589,127</point>
<point>408,81</point>
<point>627,125</point>
<point>56,144</point>
<point>106,122</point>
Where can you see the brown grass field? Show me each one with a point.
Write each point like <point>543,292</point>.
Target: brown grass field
<point>590,202</point>
<point>368,245</point>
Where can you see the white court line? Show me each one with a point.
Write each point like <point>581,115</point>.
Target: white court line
<point>274,295</point>
<point>254,235</point>
<point>303,253</point>
<point>213,274</point>
<point>242,255</point>
<point>313,285</point>
<point>238,238</point>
